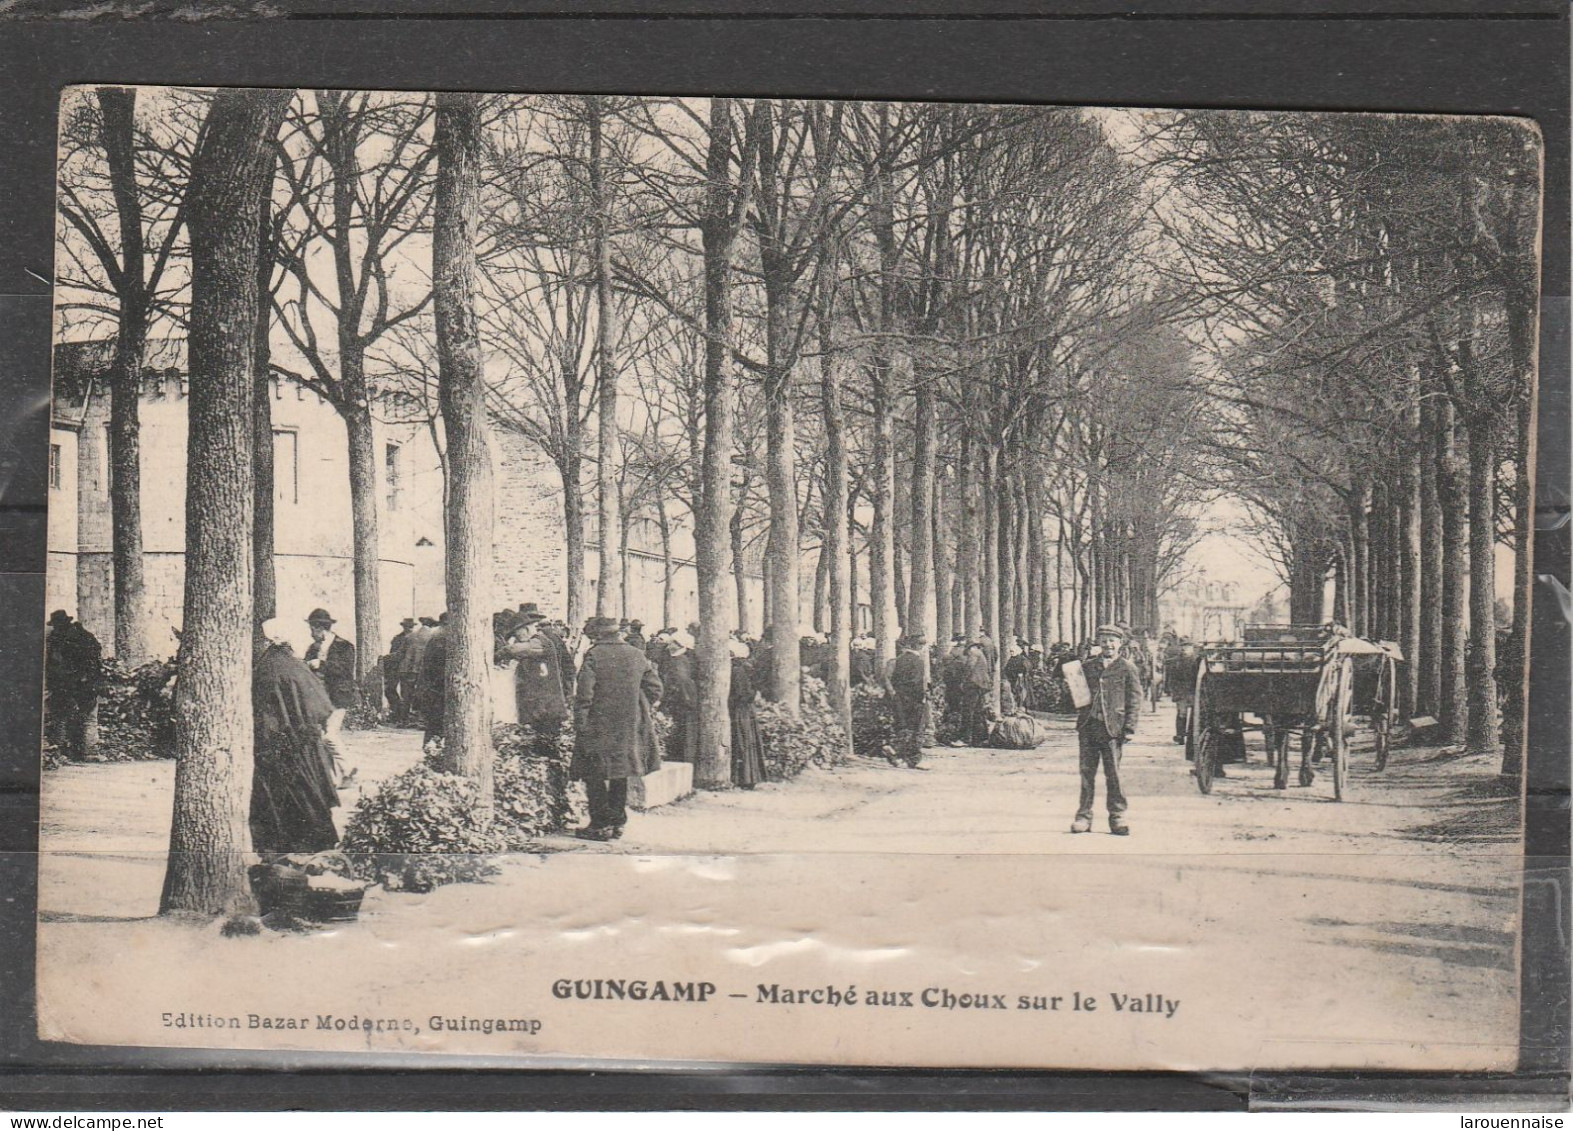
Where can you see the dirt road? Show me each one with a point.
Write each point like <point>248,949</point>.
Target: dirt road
<point>1290,929</point>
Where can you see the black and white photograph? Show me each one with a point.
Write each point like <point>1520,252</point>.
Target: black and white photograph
<point>574,579</point>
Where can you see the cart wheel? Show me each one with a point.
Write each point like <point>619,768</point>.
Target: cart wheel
<point>1206,758</point>
<point>1338,735</point>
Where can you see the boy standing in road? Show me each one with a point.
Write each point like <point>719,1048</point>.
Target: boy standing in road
<point>1102,727</point>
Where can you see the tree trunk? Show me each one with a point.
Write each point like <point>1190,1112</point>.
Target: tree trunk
<point>609,597</point>
<point>713,550</point>
<point>1429,698</point>
<point>1005,564</point>
<point>739,569</point>
<point>118,110</point>
<point>882,486</point>
<point>1453,497</point>
<point>1379,544</point>
<point>1410,581</point>
<point>821,589</point>
<point>852,565</point>
<point>210,836</point>
<point>363,514</point>
<point>265,575</point>
<point>1360,563</point>
<point>1341,585</point>
<point>939,538</point>
<point>991,554</point>
<point>1059,581</point>
<point>573,535</point>
<point>1394,559</point>
<point>882,540</point>
<point>354,400</point>
<point>622,563</point>
<point>920,540</point>
<point>838,539</point>
<point>968,560</point>
<point>467,737</point>
<point>668,567</point>
<point>1307,583</point>
<point>1483,732</point>
<point>1036,619</point>
<point>898,565</point>
<point>782,549</point>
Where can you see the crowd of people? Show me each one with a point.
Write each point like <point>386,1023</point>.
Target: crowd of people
<point>611,678</point>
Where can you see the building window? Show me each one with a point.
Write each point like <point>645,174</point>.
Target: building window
<point>286,466</point>
<point>392,470</point>
<point>54,467</point>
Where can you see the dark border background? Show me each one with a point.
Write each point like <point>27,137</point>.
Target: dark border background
<point>1458,56</point>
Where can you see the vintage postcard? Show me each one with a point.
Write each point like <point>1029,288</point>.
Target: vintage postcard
<point>567,579</point>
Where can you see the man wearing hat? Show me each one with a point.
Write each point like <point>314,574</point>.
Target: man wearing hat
<point>393,672</point>
<point>614,729</point>
<point>73,672</point>
<point>635,636</point>
<point>332,658</point>
<point>410,668</point>
<point>679,695</point>
<point>538,676</point>
<point>1103,725</point>
<point>431,693</point>
<point>909,699</point>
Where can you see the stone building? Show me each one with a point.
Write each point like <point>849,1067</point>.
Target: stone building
<point>313,532</point>
<point>1204,609</point>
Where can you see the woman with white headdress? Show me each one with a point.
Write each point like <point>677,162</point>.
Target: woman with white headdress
<point>748,748</point>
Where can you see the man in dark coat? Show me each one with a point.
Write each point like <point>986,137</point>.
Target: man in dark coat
<point>1102,727</point>
<point>332,658</point>
<point>432,692</point>
<point>635,637</point>
<point>412,665</point>
<point>73,674</point>
<point>680,697</point>
<point>977,683</point>
<point>1015,675</point>
<point>292,783</point>
<point>538,677</point>
<point>557,632</point>
<point>658,648</point>
<point>909,699</point>
<point>393,673</point>
<point>1179,677</point>
<point>953,672</point>
<point>614,735</point>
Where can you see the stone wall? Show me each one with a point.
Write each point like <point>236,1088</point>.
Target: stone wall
<point>313,533</point>
<point>530,555</point>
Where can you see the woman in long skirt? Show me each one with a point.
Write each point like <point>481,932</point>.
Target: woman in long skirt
<point>748,748</point>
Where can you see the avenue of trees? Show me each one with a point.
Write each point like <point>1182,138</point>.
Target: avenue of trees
<point>1370,285</point>
<point>987,366</point>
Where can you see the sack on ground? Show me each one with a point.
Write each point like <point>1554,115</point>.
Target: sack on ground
<point>1018,732</point>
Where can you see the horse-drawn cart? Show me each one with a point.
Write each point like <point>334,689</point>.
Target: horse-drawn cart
<point>1296,679</point>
